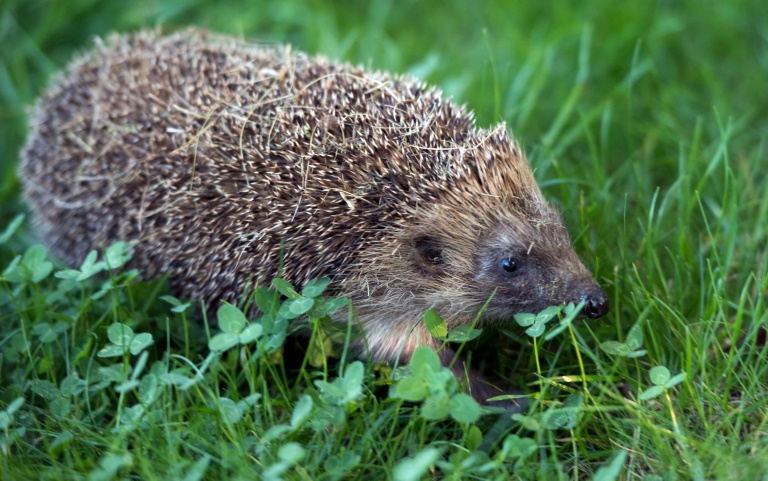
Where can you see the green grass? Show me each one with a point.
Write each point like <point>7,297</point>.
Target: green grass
<point>646,123</point>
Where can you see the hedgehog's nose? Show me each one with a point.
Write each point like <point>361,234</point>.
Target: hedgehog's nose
<point>595,304</point>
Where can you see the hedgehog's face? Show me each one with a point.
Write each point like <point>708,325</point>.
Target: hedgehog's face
<point>529,276</point>
<point>528,268</point>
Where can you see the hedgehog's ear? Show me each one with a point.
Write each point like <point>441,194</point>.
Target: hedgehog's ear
<point>429,249</point>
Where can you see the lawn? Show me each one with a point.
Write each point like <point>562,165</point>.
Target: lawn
<point>646,124</point>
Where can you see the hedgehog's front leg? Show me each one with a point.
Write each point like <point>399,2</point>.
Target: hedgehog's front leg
<point>480,387</point>
<point>395,342</point>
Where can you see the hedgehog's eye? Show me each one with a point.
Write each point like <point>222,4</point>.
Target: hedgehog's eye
<point>509,266</point>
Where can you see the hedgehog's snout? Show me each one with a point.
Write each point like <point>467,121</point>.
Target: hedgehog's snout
<point>595,304</point>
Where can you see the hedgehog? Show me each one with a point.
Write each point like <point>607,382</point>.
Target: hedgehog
<point>228,163</point>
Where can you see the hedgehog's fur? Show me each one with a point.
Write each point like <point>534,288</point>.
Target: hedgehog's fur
<point>214,154</point>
